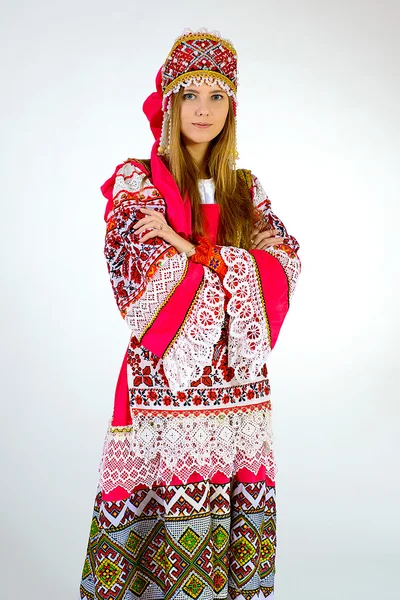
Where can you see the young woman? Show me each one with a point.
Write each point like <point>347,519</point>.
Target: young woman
<point>203,272</point>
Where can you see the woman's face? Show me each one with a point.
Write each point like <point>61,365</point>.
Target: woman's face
<point>203,104</point>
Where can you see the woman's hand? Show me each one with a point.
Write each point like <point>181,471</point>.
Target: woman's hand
<point>155,221</point>
<point>264,239</point>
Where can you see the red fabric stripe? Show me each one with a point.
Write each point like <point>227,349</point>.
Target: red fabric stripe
<point>243,475</point>
<point>211,216</point>
<point>275,290</point>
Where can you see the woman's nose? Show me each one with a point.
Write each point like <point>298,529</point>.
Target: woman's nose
<point>202,110</point>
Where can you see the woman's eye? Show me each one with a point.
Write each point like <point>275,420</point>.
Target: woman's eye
<point>219,95</point>
<point>188,94</point>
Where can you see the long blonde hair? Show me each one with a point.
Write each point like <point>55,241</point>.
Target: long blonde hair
<point>231,191</point>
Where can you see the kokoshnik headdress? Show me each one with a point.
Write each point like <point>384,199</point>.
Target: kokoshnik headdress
<point>196,57</point>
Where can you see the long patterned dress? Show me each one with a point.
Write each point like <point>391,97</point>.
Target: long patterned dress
<point>185,505</point>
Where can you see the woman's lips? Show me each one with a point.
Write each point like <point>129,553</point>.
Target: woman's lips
<point>202,125</point>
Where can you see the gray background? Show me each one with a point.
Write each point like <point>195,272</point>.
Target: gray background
<point>319,125</point>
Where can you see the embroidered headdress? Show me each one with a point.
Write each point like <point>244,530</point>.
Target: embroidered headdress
<point>196,57</point>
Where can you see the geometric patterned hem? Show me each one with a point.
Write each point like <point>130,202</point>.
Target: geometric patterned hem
<point>198,541</point>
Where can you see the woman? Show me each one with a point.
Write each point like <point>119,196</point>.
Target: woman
<point>202,271</point>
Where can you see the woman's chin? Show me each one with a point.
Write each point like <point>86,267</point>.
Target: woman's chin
<point>200,137</point>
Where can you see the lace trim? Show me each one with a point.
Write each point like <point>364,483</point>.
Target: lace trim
<point>141,314</point>
<point>291,266</point>
<point>155,448</point>
<point>128,178</point>
<point>192,349</point>
<point>249,336</point>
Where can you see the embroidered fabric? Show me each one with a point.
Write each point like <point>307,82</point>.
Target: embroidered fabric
<point>193,347</point>
<point>290,264</point>
<point>131,263</point>
<point>142,312</point>
<point>268,219</point>
<point>286,252</point>
<point>249,335</point>
<point>157,447</point>
<point>209,255</point>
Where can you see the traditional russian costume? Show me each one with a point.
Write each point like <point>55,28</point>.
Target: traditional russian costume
<point>185,506</point>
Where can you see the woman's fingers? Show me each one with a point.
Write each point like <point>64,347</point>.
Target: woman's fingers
<point>159,228</point>
<point>144,224</point>
<point>140,222</point>
<point>147,236</point>
<point>149,212</point>
<point>269,233</point>
<point>153,223</point>
<point>268,243</point>
<point>149,223</point>
<point>265,234</point>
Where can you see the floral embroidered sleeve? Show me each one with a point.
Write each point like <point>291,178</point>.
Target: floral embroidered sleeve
<point>133,266</point>
<point>174,307</point>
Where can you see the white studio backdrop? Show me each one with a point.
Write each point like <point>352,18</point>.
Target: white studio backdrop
<point>318,123</point>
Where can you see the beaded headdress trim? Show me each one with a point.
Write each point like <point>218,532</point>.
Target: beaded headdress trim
<point>203,75</point>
